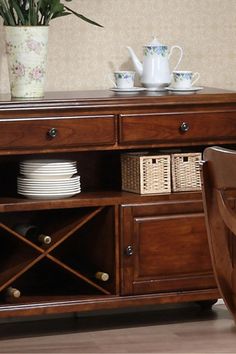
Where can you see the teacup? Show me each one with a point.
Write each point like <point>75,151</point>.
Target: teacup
<point>184,79</point>
<point>124,79</point>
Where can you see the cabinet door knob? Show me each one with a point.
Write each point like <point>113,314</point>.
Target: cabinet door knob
<point>52,133</point>
<point>129,251</point>
<point>184,127</point>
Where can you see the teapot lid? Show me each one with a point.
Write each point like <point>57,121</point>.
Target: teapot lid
<point>154,43</point>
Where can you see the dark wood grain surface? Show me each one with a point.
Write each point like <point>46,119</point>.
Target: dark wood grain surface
<point>91,231</point>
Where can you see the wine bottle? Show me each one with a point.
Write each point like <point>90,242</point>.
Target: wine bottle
<point>44,239</point>
<point>32,233</point>
<point>13,293</point>
<point>102,276</point>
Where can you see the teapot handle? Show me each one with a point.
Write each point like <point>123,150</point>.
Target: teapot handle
<point>180,57</point>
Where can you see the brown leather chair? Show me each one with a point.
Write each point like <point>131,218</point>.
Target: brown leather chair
<point>219,197</point>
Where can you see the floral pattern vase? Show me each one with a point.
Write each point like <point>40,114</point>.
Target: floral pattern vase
<point>26,48</point>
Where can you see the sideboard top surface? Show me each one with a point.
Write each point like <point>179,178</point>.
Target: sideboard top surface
<point>108,98</point>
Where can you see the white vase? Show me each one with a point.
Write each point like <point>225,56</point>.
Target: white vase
<point>26,48</point>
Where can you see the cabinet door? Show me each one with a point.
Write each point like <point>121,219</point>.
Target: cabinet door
<point>164,248</point>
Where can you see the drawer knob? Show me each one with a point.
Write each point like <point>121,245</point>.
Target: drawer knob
<point>184,127</point>
<point>129,251</point>
<point>52,133</point>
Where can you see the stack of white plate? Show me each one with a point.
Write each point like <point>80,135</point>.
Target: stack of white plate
<point>48,178</point>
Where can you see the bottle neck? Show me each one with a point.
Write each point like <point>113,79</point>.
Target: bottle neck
<point>13,293</point>
<point>32,233</point>
<point>102,276</point>
<point>44,239</point>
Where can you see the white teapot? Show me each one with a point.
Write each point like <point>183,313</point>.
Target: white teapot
<point>155,71</point>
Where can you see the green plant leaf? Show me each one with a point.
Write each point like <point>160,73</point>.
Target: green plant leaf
<point>33,16</point>
<point>8,18</point>
<point>3,15</point>
<point>36,12</point>
<point>82,17</point>
<point>44,9</point>
<point>12,11</point>
<point>60,14</point>
<point>57,7</point>
<point>18,11</point>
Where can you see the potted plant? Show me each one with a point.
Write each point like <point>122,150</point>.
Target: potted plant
<point>26,28</point>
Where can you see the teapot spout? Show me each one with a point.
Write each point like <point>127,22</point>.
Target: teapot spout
<point>137,64</point>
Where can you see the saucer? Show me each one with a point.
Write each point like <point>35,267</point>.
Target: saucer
<point>190,89</point>
<point>131,89</point>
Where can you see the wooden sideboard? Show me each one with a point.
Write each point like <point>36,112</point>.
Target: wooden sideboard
<point>154,247</point>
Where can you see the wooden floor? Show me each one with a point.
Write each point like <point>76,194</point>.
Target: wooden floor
<point>163,330</point>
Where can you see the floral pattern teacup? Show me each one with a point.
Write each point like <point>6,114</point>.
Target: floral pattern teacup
<point>184,79</point>
<point>124,79</point>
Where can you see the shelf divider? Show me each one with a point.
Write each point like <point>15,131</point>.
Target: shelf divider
<point>78,274</point>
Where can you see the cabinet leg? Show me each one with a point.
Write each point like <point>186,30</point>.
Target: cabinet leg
<point>206,305</point>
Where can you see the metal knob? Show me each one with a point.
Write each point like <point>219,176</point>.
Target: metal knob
<point>52,133</point>
<point>184,127</point>
<point>129,251</point>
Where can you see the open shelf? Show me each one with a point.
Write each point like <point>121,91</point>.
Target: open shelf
<point>87,199</point>
<point>20,257</point>
<point>91,249</point>
<point>76,235</point>
<point>77,274</point>
<point>47,278</point>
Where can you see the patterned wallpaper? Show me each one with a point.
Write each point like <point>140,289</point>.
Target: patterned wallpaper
<point>82,56</point>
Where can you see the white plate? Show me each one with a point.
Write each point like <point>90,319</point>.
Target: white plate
<point>48,161</point>
<point>57,184</point>
<point>46,168</point>
<point>49,177</point>
<point>190,89</point>
<point>53,186</point>
<point>19,186</point>
<point>48,172</point>
<point>34,181</point>
<point>48,186</point>
<point>48,191</point>
<point>48,196</point>
<point>131,89</point>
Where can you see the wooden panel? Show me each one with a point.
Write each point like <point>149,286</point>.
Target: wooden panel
<point>170,251</point>
<point>79,131</point>
<point>170,260</point>
<point>161,128</point>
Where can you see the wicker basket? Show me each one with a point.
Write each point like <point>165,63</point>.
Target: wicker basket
<point>186,172</point>
<point>146,174</point>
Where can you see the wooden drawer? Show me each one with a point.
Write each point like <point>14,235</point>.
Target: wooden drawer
<point>210,127</point>
<point>57,132</point>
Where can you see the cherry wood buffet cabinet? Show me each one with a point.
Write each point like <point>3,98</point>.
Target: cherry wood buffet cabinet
<point>153,247</point>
